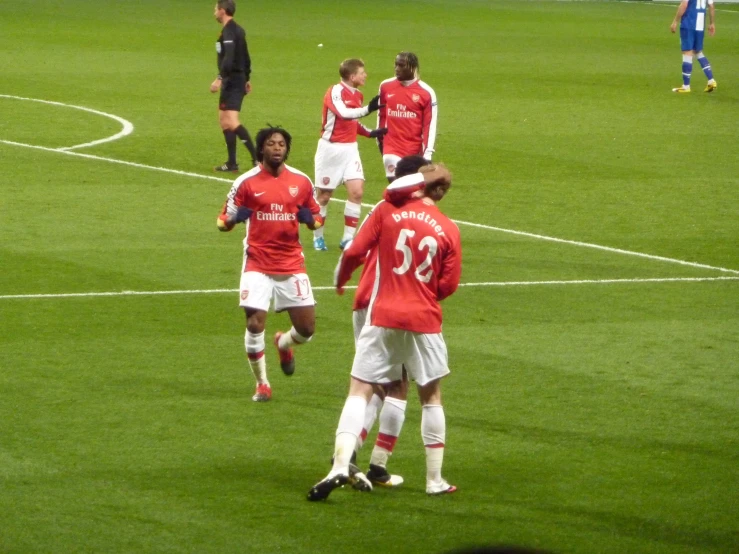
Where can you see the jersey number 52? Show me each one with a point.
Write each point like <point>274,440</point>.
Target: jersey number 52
<point>405,249</point>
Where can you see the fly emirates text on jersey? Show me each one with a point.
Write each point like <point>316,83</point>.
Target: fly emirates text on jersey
<point>277,213</point>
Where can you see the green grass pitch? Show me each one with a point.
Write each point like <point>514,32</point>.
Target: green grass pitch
<point>593,401</point>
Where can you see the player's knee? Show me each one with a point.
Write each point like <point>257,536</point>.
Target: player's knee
<point>306,330</point>
<point>355,190</point>
<point>323,196</point>
<point>355,195</point>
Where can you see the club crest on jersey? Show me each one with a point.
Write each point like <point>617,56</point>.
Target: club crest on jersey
<point>415,97</point>
<point>391,168</point>
<point>326,180</point>
<point>293,191</point>
<point>244,294</point>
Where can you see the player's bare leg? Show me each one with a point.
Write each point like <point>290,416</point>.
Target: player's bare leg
<point>322,197</point>
<point>352,209</point>
<point>254,343</point>
<point>303,319</point>
<point>433,431</point>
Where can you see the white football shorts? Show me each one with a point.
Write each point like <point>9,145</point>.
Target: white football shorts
<point>336,163</point>
<point>382,353</point>
<point>390,161</point>
<point>358,319</point>
<point>289,291</point>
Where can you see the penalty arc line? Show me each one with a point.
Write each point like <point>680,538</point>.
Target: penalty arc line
<point>127,125</point>
<point>458,222</point>
<point>325,288</point>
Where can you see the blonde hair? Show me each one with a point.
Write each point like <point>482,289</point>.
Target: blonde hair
<point>349,67</point>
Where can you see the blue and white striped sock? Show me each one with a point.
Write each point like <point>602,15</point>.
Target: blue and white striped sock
<point>706,66</point>
<point>687,70</point>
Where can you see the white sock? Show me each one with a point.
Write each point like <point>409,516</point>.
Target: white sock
<point>318,233</point>
<point>370,415</point>
<point>392,417</point>
<point>350,426</point>
<point>254,345</point>
<point>352,212</point>
<point>290,338</point>
<point>433,432</point>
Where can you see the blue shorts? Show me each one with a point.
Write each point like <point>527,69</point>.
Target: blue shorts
<point>691,40</point>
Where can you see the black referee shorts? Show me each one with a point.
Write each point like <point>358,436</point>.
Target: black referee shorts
<point>232,92</point>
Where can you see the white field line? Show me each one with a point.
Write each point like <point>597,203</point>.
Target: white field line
<point>324,288</point>
<point>121,162</point>
<point>127,125</point>
<point>457,221</point>
<point>213,178</point>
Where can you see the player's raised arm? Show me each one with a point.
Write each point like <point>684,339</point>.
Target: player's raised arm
<point>340,109</point>
<point>356,251</point>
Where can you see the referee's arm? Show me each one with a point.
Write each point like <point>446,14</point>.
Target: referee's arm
<point>229,53</point>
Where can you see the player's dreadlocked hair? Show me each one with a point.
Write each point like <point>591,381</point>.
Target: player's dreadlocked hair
<point>412,61</point>
<point>266,133</point>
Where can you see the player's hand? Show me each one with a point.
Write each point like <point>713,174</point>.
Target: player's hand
<point>673,27</point>
<point>340,291</point>
<point>712,29</point>
<point>242,214</point>
<point>224,223</point>
<point>378,133</point>
<point>436,174</point>
<point>215,86</point>
<point>305,215</point>
<point>374,104</point>
<point>247,87</point>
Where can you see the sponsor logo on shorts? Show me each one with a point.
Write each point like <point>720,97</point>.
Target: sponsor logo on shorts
<point>293,191</point>
<point>326,180</point>
<point>244,294</point>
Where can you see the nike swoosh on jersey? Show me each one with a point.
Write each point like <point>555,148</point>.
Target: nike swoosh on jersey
<point>258,193</point>
<point>390,95</point>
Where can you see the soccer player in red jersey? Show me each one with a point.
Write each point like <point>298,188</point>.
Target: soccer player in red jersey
<point>337,156</point>
<point>418,265</point>
<point>409,112</point>
<point>272,200</point>
<point>391,398</point>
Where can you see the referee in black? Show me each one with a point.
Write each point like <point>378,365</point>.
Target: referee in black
<point>234,69</point>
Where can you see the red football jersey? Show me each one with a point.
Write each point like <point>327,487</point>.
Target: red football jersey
<point>398,192</point>
<point>410,115</point>
<point>366,283</point>
<point>419,263</point>
<point>272,243</point>
<point>342,106</point>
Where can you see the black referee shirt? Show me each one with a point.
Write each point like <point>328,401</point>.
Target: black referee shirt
<point>233,54</point>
